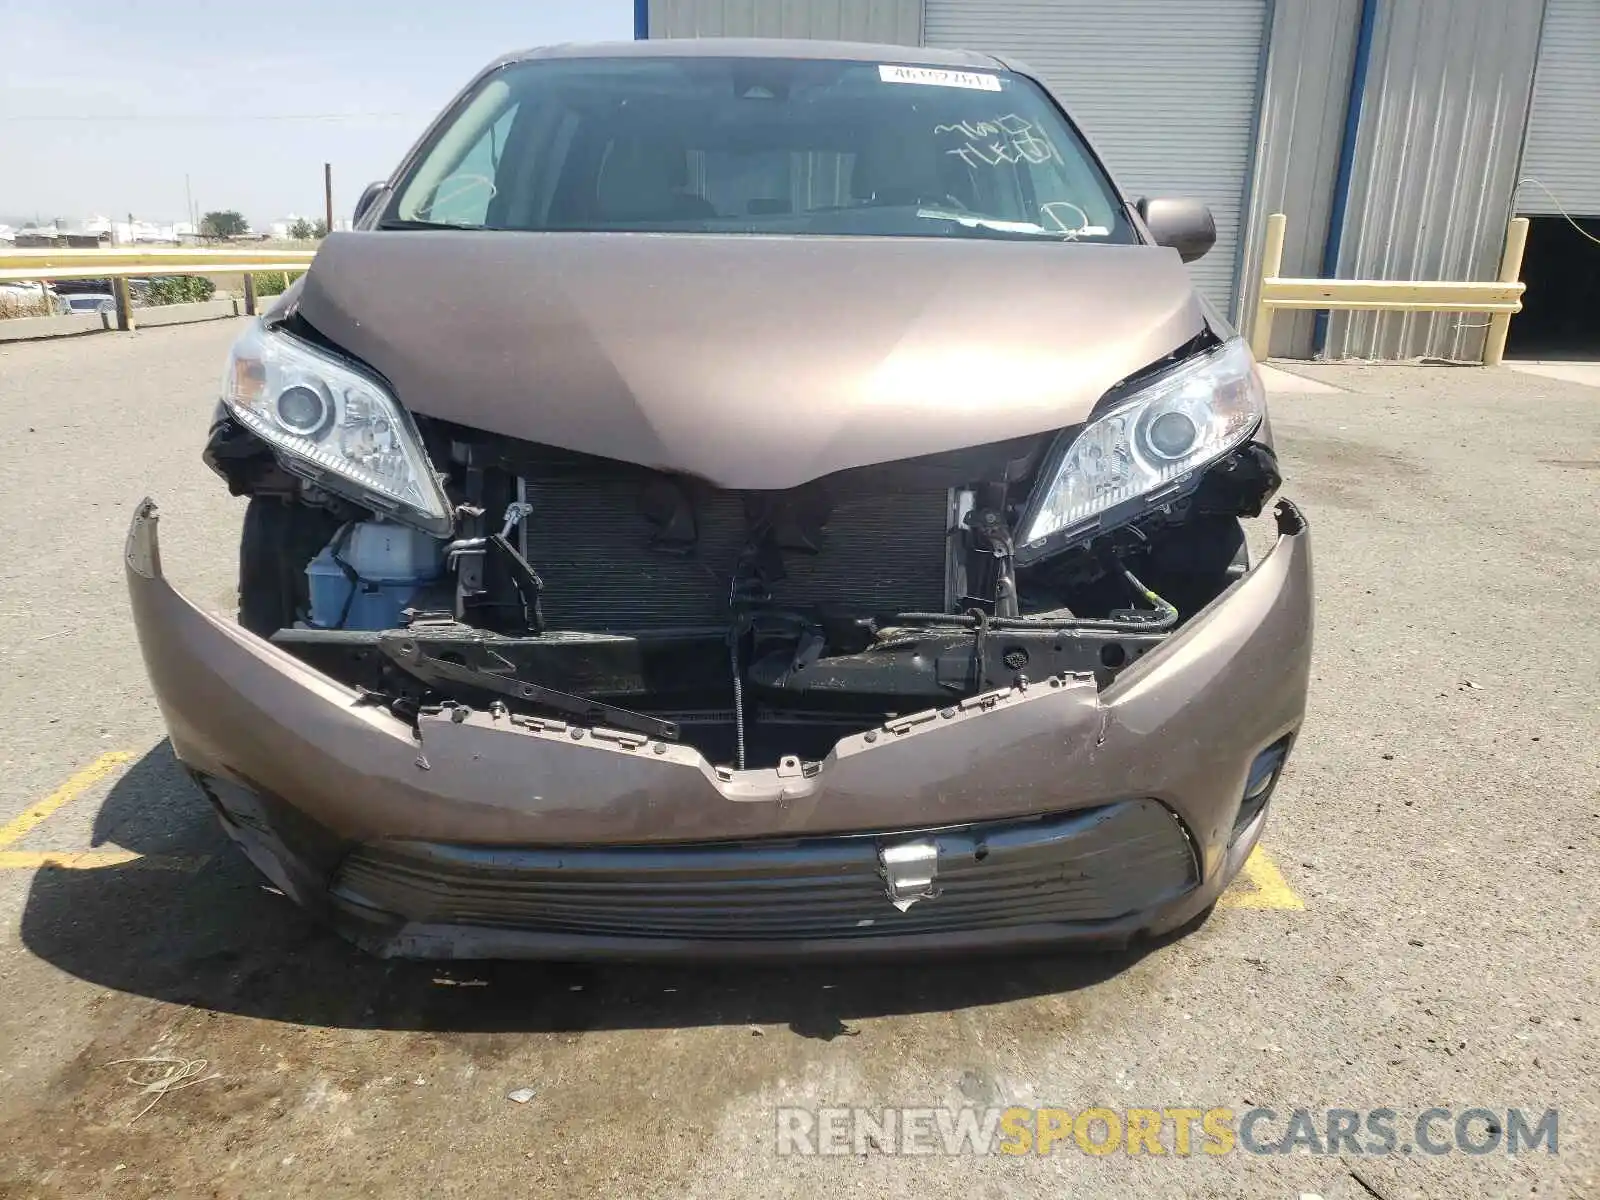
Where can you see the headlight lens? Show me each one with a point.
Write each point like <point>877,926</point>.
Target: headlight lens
<point>1129,456</point>
<point>334,425</point>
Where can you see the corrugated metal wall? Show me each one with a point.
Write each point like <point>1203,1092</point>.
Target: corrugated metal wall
<point>1310,53</point>
<point>1563,150</point>
<point>896,22</point>
<point>1436,160</point>
<point>1166,90</point>
<point>1443,119</point>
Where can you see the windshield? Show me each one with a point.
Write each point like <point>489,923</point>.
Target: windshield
<point>788,146</point>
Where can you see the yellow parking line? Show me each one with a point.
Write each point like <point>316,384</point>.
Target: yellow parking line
<point>86,860</point>
<point>1260,885</point>
<point>85,779</point>
<point>80,860</point>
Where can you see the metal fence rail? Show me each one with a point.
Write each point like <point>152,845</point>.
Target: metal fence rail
<point>28,266</point>
<point>1499,298</point>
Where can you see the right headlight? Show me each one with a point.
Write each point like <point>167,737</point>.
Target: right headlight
<point>1145,450</point>
<point>335,426</point>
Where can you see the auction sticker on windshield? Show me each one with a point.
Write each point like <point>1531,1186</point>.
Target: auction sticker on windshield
<point>937,77</point>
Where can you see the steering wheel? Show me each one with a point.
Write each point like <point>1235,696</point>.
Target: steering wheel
<point>949,200</point>
<point>921,199</point>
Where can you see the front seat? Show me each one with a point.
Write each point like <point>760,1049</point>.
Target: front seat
<point>899,166</point>
<point>647,180</point>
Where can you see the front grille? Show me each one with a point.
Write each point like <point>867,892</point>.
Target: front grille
<point>1084,867</point>
<point>881,550</point>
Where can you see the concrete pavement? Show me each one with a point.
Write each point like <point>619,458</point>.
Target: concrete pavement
<point>1437,824</point>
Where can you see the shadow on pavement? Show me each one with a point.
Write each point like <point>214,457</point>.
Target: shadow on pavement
<point>217,939</point>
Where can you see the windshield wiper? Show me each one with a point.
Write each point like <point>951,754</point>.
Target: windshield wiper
<point>408,223</point>
<point>1027,229</point>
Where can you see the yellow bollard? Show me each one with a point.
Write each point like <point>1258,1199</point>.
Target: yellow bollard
<point>1494,346</point>
<point>1271,264</point>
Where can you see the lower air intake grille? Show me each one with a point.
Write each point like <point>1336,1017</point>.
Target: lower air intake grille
<point>1083,867</point>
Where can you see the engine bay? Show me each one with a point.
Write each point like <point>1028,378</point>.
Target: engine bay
<point>759,627</point>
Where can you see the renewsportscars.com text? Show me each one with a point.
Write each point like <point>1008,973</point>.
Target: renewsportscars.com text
<point>1178,1130</point>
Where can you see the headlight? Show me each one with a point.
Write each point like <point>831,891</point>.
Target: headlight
<point>1145,450</point>
<point>335,426</point>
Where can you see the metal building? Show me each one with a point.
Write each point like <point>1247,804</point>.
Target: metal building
<point>1394,133</point>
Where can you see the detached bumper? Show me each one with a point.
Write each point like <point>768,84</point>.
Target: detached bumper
<point>1058,812</point>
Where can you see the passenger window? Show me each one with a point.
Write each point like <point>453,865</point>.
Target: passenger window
<point>462,197</point>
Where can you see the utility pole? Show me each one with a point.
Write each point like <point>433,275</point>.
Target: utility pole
<point>188,196</point>
<point>327,192</point>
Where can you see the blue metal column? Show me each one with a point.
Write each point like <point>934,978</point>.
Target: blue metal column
<point>1347,157</point>
<point>641,20</point>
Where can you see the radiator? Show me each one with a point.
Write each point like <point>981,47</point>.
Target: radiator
<point>882,550</point>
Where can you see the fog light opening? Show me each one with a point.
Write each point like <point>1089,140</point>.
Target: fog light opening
<point>1263,776</point>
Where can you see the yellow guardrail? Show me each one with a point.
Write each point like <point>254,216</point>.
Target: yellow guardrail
<point>31,266</point>
<point>1499,298</point>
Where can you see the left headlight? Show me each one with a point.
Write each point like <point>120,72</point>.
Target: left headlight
<point>335,426</point>
<point>1145,450</point>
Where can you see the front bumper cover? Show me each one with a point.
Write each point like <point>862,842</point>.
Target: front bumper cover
<point>303,774</point>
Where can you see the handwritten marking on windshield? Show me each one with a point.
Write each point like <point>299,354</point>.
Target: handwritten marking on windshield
<point>454,188</point>
<point>1052,210</point>
<point>1004,140</point>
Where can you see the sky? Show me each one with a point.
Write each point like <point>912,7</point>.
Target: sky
<point>105,108</point>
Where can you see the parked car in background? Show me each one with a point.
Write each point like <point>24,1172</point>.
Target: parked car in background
<point>138,289</point>
<point>744,499</point>
<point>91,302</point>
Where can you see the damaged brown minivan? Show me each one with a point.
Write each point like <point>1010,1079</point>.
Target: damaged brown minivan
<point>744,499</point>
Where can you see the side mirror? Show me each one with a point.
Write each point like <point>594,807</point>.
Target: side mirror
<point>368,194</point>
<point>1185,225</point>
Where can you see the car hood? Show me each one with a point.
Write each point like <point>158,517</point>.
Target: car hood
<point>748,361</point>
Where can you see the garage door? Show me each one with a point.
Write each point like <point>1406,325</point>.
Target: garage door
<point>1166,90</point>
<point>1563,147</point>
